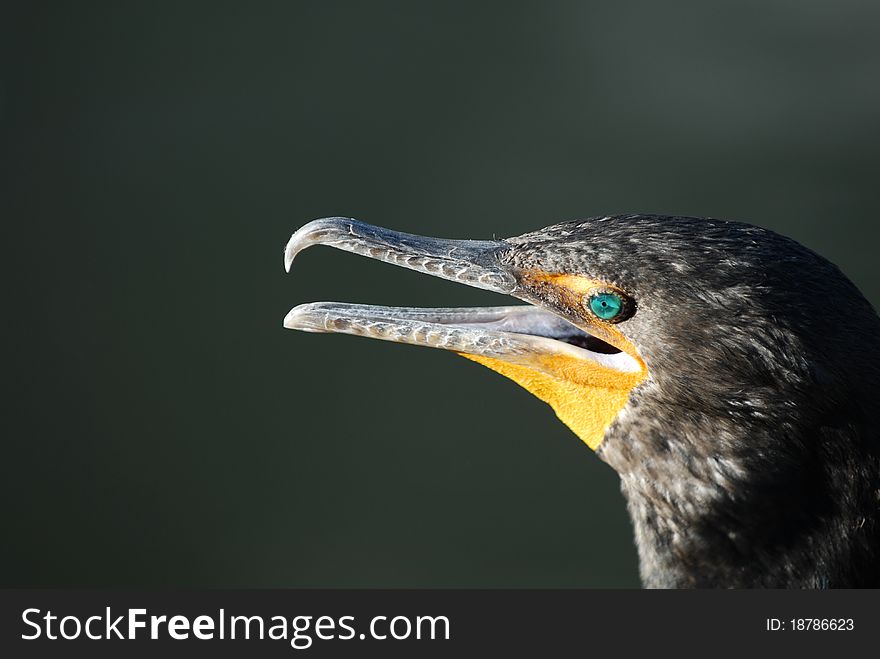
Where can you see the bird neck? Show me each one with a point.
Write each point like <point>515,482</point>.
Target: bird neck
<point>710,508</point>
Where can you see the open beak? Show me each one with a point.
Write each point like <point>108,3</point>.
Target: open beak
<point>517,334</point>
<point>539,348</point>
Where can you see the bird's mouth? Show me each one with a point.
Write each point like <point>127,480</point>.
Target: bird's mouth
<point>583,370</point>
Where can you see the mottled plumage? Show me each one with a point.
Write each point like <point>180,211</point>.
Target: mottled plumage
<point>751,455</point>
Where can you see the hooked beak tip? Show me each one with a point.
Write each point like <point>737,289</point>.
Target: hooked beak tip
<point>292,248</point>
<point>313,233</point>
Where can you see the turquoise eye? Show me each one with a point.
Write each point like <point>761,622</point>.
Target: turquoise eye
<point>606,305</point>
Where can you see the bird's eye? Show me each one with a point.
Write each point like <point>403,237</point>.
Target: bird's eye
<point>606,306</point>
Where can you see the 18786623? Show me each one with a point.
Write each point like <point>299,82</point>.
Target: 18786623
<point>810,624</point>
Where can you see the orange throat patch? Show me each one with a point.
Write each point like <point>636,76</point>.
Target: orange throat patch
<point>586,396</point>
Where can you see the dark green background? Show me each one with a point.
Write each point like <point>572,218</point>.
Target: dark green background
<point>161,428</point>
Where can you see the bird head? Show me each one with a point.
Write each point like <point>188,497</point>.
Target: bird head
<point>712,364</point>
<point>566,346</point>
<point>677,308</point>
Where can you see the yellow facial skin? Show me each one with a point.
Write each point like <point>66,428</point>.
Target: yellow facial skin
<point>585,395</point>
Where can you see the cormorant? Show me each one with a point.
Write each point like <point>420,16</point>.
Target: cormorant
<point>727,373</point>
